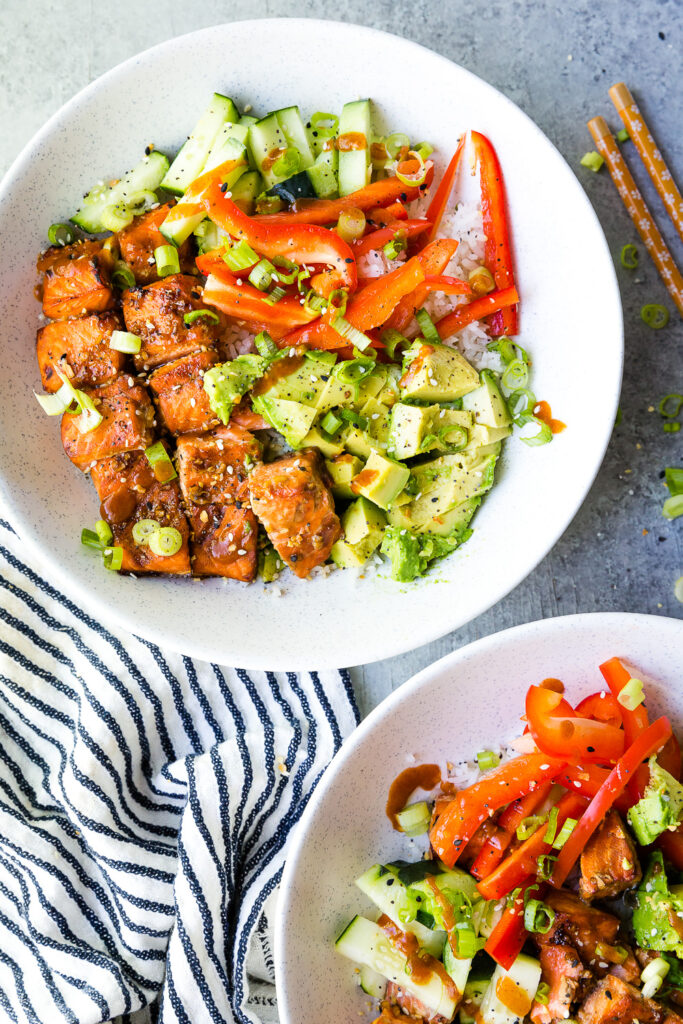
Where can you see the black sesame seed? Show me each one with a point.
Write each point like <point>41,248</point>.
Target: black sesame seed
<point>390,881</point>
<point>224,187</point>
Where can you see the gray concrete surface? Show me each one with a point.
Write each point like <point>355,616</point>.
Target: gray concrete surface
<point>556,60</point>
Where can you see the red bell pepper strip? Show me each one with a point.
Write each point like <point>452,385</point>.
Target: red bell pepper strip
<point>587,779</point>
<point>380,216</point>
<point>616,677</point>
<point>440,199</point>
<point>493,850</point>
<point>603,707</point>
<point>523,861</point>
<point>567,735</point>
<point>376,239</point>
<point>472,806</point>
<point>505,942</point>
<point>302,243</point>
<point>191,202</point>
<point>648,743</point>
<point>434,259</point>
<point>247,303</point>
<point>326,211</point>
<point>498,254</point>
<point>476,310</point>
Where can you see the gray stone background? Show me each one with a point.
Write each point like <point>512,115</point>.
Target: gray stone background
<point>556,60</point>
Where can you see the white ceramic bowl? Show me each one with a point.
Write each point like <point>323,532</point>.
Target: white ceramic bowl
<point>468,701</point>
<point>571,323</point>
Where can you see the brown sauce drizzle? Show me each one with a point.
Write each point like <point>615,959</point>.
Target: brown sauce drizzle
<point>421,966</point>
<point>419,776</point>
<point>350,141</point>
<point>279,369</point>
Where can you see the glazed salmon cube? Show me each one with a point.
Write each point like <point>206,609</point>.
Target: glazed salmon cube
<point>178,388</point>
<point>613,1001</point>
<point>213,467</point>
<point>566,978</point>
<point>609,862</point>
<point>156,314</point>
<point>588,928</point>
<point>224,541</point>
<point>291,498</point>
<point>127,423</point>
<point>80,349</point>
<point>138,241</point>
<point>76,280</point>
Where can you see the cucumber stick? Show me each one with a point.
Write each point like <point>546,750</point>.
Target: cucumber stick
<point>373,983</point>
<point>117,200</point>
<point>367,944</point>
<point>183,219</point>
<point>457,968</point>
<point>354,163</point>
<point>192,157</point>
<point>510,994</point>
<point>392,898</point>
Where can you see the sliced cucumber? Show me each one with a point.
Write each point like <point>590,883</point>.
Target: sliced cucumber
<point>354,164</point>
<point>247,120</point>
<point>184,218</point>
<point>266,142</point>
<point>505,1007</point>
<point>294,130</point>
<point>209,236</point>
<point>457,969</point>
<point>230,144</point>
<point>372,982</point>
<point>475,990</point>
<point>390,895</point>
<point>116,201</point>
<point>453,880</point>
<point>323,174</point>
<point>192,155</point>
<point>247,188</point>
<point>367,944</point>
<point>486,914</point>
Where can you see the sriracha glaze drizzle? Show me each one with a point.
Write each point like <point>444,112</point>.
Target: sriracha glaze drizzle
<point>420,776</point>
<point>543,412</point>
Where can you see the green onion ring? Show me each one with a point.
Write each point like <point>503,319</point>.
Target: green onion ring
<point>420,175</point>
<point>544,434</point>
<point>60,234</point>
<point>166,258</point>
<point>143,530</point>
<point>629,257</point>
<point>197,314</point>
<point>165,541</point>
<point>655,316</point>
<point>395,142</point>
<point>664,403</point>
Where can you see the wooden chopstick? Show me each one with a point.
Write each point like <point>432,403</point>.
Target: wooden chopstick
<point>662,178</point>
<point>635,204</point>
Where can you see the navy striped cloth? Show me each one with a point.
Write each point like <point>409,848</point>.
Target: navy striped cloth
<point>146,800</point>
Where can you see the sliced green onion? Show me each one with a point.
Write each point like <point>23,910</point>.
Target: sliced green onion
<point>302,276</point>
<point>90,539</point>
<point>286,271</point>
<point>288,163</point>
<point>351,333</point>
<point>330,423</point>
<point>427,327</point>
<point>274,296</point>
<point>261,276</point>
<point>678,589</point>
<point>113,558</point>
<point>57,403</point>
<point>395,246</point>
<point>268,204</point>
<point>338,300</point>
<point>122,275</point>
<point>631,696</point>
<point>414,819</point>
<point>159,460</point>
<point>419,177</point>
<point>425,149</point>
<point>90,417</point>
<point>116,217</point>
<point>516,375</point>
<point>544,434</point>
<point>321,356</point>
<point>486,759</point>
<point>453,436</point>
<point>481,281</point>
<point>671,427</point>
<point>623,135</point>
<point>324,124</point>
<point>564,833</point>
<point>392,340</point>
<point>165,541</point>
<point>265,346</point>
<point>673,478</point>
<point>143,530</point>
<point>197,314</point>
<point>629,257</point>
<point>352,371</point>
<point>166,257</point>
<point>538,917</point>
<point>351,224</point>
<point>395,142</point>
<point>542,994</point>
<point>663,406</point>
<point>655,316</point>
<point>103,531</point>
<point>314,303</point>
<point>239,257</point>
<point>672,508</point>
<point>653,975</point>
<point>592,160</point>
<point>546,865</point>
<point>551,830</point>
<point>508,349</point>
<point>467,941</point>
<point>528,826</point>
<point>124,341</point>
<point>353,417</point>
<point>60,234</point>
<point>517,410</point>
<point>513,897</point>
<point>371,354</point>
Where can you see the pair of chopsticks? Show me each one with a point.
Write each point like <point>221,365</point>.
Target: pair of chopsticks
<point>629,192</point>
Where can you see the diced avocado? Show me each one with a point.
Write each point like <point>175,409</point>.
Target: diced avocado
<point>329,446</point>
<point>381,480</point>
<point>448,481</point>
<point>660,808</point>
<point>418,429</point>
<point>292,419</point>
<point>377,416</point>
<point>437,373</point>
<point>481,436</point>
<point>487,403</point>
<point>359,443</point>
<point>334,394</point>
<point>656,905</point>
<point>363,525</point>
<point>411,553</point>
<point>453,521</point>
<point>389,393</point>
<point>371,385</point>
<point>305,383</point>
<point>342,469</point>
<point>226,383</point>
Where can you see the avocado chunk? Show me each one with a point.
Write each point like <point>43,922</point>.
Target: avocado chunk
<point>411,553</point>
<point>437,373</point>
<point>481,436</point>
<point>657,907</point>
<point>448,522</point>
<point>448,481</point>
<point>377,416</point>
<point>296,378</point>
<point>417,429</point>
<point>487,404</point>
<point>292,419</point>
<point>227,383</point>
<point>329,446</point>
<point>363,525</point>
<point>342,469</point>
<point>660,807</point>
<point>381,480</point>
<point>334,394</point>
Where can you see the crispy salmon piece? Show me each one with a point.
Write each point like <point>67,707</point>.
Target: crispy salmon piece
<point>156,314</point>
<point>411,1005</point>
<point>138,241</point>
<point>224,541</point>
<point>609,862</point>
<point>566,978</point>
<point>127,420</point>
<point>178,388</point>
<point>291,498</point>
<point>76,280</point>
<point>213,467</point>
<point>80,349</point>
<point>129,491</point>
<point>613,1001</point>
<point>244,416</point>
<point>587,929</point>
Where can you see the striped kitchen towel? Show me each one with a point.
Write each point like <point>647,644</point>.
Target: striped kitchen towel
<point>146,801</point>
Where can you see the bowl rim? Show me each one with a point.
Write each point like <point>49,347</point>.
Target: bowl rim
<point>404,693</point>
<point>114,613</point>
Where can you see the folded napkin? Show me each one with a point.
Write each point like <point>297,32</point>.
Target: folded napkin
<point>146,802</point>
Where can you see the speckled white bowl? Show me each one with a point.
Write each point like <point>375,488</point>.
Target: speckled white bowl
<point>467,701</point>
<point>571,323</point>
